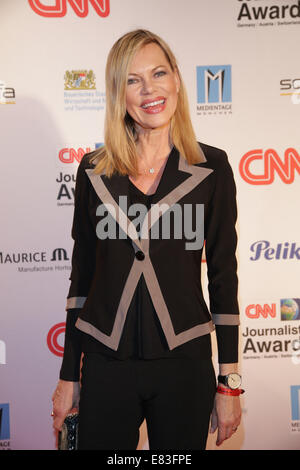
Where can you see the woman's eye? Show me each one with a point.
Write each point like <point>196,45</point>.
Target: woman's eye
<point>130,81</point>
<point>160,73</point>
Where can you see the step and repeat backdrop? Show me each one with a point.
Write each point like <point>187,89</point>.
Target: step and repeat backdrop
<point>240,63</point>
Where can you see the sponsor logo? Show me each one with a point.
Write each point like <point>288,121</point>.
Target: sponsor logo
<point>80,92</point>
<point>80,80</point>
<point>7,94</point>
<point>214,89</point>
<point>263,250</point>
<point>290,309</point>
<point>71,155</point>
<point>59,254</point>
<point>4,427</point>
<point>252,15</point>
<point>291,87</point>
<point>273,342</point>
<point>53,336</point>
<point>255,311</point>
<point>66,180</point>
<point>66,191</point>
<point>58,8</point>
<point>266,163</point>
<point>2,352</point>
<point>295,408</point>
<point>278,341</point>
<point>37,261</point>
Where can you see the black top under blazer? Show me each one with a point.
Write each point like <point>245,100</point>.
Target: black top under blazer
<point>106,272</point>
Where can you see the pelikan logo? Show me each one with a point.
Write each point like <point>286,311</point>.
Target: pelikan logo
<point>262,249</point>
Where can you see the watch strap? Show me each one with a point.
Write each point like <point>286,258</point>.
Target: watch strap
<point>233,393</point>
<point>222,379</point>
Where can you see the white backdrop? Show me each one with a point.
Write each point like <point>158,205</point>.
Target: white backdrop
<point>52,103</point>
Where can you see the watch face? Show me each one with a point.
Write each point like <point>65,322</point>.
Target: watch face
<point>234,381</point>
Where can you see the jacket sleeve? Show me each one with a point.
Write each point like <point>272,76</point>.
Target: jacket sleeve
<point>70,368</point>
<point>84,236</point>
<point>220,248</point>
<point>83,264</point>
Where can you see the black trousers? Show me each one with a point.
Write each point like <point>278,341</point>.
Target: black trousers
<point>175,396</point>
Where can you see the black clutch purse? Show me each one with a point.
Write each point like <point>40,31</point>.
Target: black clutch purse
<point>68,436</point>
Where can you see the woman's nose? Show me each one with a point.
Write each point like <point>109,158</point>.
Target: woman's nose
<point>148,86</point>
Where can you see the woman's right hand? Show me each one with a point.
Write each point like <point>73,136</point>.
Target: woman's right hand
<point>65,398</point>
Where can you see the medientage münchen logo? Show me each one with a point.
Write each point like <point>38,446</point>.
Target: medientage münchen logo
<point>214,89</point>
<point>4,422</point>
<point>295,401</point>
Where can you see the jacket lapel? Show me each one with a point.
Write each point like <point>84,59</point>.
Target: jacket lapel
<point>111,191</point>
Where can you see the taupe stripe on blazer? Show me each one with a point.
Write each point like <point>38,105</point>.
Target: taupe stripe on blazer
<point>105,272</point>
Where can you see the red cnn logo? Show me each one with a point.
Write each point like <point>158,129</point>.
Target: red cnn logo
<point>67,155</point>
<point>257,310</point>
<point>52,339</point>
<point>271,164</point>
<point>80,8</point>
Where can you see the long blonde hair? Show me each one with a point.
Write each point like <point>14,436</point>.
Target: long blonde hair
<point>118,155</point>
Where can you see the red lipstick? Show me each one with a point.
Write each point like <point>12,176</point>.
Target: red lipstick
<point>154,105</point>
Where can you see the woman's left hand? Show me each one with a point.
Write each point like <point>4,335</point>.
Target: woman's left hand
<point>226,416</point>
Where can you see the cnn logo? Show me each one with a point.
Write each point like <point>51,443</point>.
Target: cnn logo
<point>264,311</point>
<point>53,339</point>
<point>271,164</point>
<point>71,155</point>
<point>80,7</point>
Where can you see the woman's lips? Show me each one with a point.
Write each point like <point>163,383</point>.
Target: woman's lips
<point>154,106</point>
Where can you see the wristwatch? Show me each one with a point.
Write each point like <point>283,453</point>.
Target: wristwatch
<point>232,380</point>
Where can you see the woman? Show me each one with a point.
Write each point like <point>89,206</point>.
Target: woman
<point>136,298</point>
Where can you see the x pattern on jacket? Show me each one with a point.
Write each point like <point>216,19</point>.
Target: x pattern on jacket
<point>178,180</point>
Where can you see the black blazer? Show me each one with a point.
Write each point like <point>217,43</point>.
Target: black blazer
<point>105,272</point>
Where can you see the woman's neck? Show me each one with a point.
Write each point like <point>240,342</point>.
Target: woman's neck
<point>153,144</point>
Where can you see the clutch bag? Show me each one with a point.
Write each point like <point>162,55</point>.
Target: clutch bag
<point>68,436</point>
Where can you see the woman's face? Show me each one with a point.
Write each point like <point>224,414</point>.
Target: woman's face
<point>152,88</point>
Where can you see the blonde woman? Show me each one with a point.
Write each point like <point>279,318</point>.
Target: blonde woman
<point>145,205</point>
